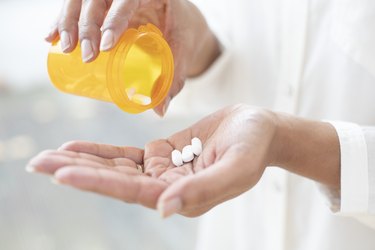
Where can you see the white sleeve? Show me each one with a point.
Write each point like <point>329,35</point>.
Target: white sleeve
<point>357,153</point>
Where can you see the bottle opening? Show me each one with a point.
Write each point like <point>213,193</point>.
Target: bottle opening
<point>141,70</point>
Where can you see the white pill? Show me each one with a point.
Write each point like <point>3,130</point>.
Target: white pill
<point>141,99</point>
<point>130,92</point>
<point>196,145</point>
<point>187,153</point>
<point>177,158</point>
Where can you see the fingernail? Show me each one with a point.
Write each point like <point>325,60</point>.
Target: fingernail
<point>65,41</point>
<point>30,169</point>
<point>166,105</point>
<point>107,40</point>
<point>47,37</point>
<point>49,34</point>
<point>87,52</point>
<point>169,207</point>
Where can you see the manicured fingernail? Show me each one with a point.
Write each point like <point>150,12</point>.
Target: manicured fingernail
<point>49,34</point>
<point>107,40</point>
<point>166,104</point>
<point>169,207</point>
<point>87,51</point>
<point>65,41</point>
<point>48,37</point>
<point>30,169</point>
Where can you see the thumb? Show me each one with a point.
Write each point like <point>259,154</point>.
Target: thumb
<point>177,85</point>
<point>193,195</point>
<point>162,108</point>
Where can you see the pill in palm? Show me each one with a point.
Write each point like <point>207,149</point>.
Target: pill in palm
<point>196,145</point>
<point>177,158</point>
<point>187,153</point>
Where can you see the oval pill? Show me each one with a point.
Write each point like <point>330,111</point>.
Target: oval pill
<point>141,99</point>
<point>187,153</point>
<point>130,92</point>
<point>196,145</point>
<point>177,158</point>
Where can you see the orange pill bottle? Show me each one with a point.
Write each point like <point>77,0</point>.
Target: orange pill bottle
<point>136,75</point>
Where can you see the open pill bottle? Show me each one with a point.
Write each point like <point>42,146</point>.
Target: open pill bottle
<point>136,74</point>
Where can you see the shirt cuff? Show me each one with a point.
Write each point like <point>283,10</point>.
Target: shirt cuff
<point>354,198</point>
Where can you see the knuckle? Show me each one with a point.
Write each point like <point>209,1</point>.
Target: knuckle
<point>87,24</point>
<point>115,19</point>
<point>65,23</point>
<point>88,30</point>
<point>100,3</point>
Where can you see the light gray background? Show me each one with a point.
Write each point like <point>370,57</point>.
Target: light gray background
<point>35,214</point>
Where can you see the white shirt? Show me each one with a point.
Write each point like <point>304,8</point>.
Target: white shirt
<point>314,59</point>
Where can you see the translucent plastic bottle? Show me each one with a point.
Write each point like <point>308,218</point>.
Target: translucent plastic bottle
<point>136,75</point>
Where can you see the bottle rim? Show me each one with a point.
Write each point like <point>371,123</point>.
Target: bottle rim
<point>117,58</point>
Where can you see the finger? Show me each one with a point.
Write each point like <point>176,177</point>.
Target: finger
<point>49,161</point>
<point>52,35</point>
<point>149,14</point>
<point>68,24</point>
<point>177,85</point>
<point>104,161</point>
<point>223,180</point>
<point>132,189</point>
<point>162,108</point>
<point>105,150</point>
<point>157,157</point>
<point>179,73</point>
<point>117,21</point>
<point>92,16</point>
<point>175,173</point>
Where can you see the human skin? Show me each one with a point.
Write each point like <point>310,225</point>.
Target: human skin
<point>99,24</point>
<point>239,142</point>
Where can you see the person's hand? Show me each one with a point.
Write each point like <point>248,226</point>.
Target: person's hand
<point>239,142</point>
<point>235,152</point>
<point>98,25</point>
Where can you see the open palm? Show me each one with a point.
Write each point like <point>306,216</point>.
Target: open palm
<point>236,143</point>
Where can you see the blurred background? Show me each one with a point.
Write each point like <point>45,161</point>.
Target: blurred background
<point>34,116</point>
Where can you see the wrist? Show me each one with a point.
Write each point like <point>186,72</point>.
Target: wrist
<point>204,55</point>
<point>307,148</point>
<point>204,46</point>
<point>280,153</point>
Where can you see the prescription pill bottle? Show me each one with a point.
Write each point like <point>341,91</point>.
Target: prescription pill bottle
<point>136,75</point>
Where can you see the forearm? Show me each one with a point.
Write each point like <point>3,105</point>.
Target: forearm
<point>206,47</point>
<point>307,148</point>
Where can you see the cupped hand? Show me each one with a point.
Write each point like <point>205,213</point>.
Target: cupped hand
<point>236,141</point>
<point>98,25</point>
